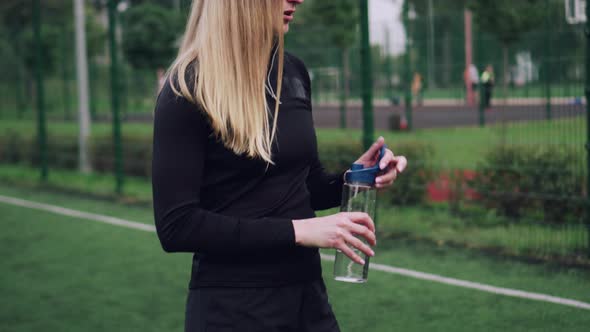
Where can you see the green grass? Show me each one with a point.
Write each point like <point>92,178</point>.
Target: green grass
<point>63,128</point>
<point>465,147</point>
<point>65,274</point>
<point>433,223</point>
<point>138,94</point>
<point>487,231</point>
<point>460,147</point>
<point>484,232</point>
<point>134,189</point>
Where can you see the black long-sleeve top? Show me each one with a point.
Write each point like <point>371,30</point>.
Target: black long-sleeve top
<point>232,211</point>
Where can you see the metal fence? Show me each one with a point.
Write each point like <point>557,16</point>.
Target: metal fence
<point>508,177</point>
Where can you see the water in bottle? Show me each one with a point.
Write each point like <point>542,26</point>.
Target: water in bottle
<point>358,195</point>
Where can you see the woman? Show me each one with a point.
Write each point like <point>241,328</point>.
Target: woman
<point>236,175</point>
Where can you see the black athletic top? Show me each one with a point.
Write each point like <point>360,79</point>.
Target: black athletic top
<point>232,211</point>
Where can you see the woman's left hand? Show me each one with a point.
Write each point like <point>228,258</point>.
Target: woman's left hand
<point>390,164</point>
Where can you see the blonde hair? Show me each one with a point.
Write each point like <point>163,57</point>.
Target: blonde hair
<point>226,51</point>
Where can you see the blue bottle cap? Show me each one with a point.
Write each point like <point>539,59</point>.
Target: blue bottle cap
<point>358,174</point>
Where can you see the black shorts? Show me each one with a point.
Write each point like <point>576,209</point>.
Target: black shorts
<point>298,308</point>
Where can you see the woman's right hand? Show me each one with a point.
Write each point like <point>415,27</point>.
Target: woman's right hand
<point>338,231</point>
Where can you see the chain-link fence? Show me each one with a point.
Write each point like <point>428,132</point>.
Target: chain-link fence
<point>496,150</point>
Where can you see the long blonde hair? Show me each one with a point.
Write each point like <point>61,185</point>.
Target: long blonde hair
<point>226,52</point>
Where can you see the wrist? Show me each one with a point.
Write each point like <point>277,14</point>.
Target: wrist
<point>299,230</point>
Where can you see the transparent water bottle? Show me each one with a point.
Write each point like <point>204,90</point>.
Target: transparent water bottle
<point>358,195</point>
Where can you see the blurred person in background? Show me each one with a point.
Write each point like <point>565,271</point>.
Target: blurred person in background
<point>236,175</point>
<point>487,79</point>
<point>472,79</point>
<point>417,88</point>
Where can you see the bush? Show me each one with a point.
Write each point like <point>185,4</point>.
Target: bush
<point>137,154</point>
<point>150,34</point>
<point>62,152</point>
<point>531,181</point>
<point>13,148</point>
<point>336,156</point>
<point>410,187</point>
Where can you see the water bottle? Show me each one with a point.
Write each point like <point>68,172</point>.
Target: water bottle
<point>358,195</point>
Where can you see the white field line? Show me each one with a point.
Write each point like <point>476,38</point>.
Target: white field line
<point>473,285</point>
<point>374,266</point>
<point>77,214</point>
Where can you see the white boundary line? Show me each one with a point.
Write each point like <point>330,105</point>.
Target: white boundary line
<point>374,266</point>
<point>77,214</point>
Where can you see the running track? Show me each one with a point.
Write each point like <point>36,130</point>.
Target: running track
<point>435,116</point>
<point>442,116</point>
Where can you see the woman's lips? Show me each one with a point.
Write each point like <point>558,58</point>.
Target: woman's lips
<point>288,15</point>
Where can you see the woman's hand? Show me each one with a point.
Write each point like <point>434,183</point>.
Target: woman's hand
<point>390,164</point>
<point>338,231</point>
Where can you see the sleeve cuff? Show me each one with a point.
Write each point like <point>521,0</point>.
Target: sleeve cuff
<point>268,233</point>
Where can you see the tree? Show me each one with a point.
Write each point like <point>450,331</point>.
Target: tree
<point>339,19</point>
<point>150,33</point>
<point>557,34</point>
<point>57,31</point>
<point>435,32</point>
<point>508,20</point>
<point>16,18</point>
<point>323,25</point>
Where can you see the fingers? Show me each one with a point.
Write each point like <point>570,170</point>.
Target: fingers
<point>387,178</point>
<point>360,218</point>
<point>400,163</point>
<point>387,159</point>
<point>358,244</point>
<point>351,225</point>
<point>372,151</point>
<point>391,174</point>
<point>364,232</point>
<point>350,253</point>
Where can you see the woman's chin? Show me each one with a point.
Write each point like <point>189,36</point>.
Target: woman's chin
<point>286,27</point>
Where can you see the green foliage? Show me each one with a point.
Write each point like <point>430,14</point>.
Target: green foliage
<point>16,18</point>
<point>508,19</point>
<point>137,155</point>
<point>410,187</point>
<point>50,38</point>
<point>10,61</point>
<point>18,14</point>
<point>532,182</point>
<point>439,7</point>
<point>323,31</point>
<point>338,18</point>
<point>13,147</point>
<point>96,34</point>
<point>149,35</point>
<point>16,147</point>
<point>63,152</point>
<point>337,156</point>
<point>57,32</point>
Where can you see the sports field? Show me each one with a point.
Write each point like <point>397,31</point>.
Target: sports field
<point>62,273</point>
<point>462,147</point>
